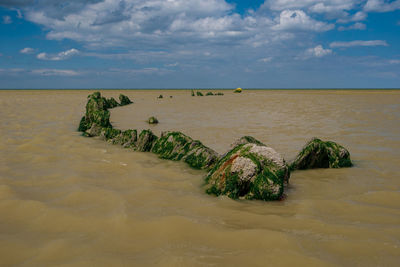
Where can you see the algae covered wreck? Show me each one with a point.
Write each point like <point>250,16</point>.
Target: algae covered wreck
<point>249,170</point>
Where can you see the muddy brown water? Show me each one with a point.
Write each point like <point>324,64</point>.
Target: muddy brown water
<point>74,201</point>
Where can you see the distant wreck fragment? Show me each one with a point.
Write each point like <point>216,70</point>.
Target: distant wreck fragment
<point>152,120</point>
<point>249,170</point>
<point>124,100</point>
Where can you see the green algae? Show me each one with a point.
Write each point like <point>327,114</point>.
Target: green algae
<point>126,138</point>
<point>145,141</point>
<point>178,146</point>
<point>83,125</point>
<point>97,115</point>
<point>109,133</point>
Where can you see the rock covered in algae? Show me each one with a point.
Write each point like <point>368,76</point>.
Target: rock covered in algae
<point>152,120</point>
<point>112,103</point>
<point>97,116</point>
<point>126,138</point>
<point>246,140</point>
<point>178,146</point>
<point>124,100</point>
<point>322,154</point>
<point>249,171</point>
<point>109,133</point>
<point>145,141</point>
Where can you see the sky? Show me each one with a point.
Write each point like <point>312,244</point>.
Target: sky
<point>199,44</point>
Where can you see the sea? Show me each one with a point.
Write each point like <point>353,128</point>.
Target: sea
<point>69,200</point>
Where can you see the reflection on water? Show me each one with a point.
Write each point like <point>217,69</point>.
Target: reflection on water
<point>69,200</point>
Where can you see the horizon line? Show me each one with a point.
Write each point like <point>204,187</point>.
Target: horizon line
<point>212,88</point>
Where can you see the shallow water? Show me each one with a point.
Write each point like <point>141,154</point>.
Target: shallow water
<point>74,201</point>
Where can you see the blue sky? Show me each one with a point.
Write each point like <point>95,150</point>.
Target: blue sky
<point>199,44</point>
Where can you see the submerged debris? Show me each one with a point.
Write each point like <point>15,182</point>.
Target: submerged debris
<point>152,120</point>
<point>250,170</point>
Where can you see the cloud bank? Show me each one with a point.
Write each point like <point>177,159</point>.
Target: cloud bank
<point>359,43</point>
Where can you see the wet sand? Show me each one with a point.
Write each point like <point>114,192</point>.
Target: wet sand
<point>74,201</point>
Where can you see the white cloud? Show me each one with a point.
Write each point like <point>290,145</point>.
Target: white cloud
<point>145,23</point>
<point>19,14</point>
<point>394,61</point>
<point>11,71</point>
<point>329,7</point>
<point>355,26</point>
<point>287,4</point>
<point>60,56</point>
<point>317,51</point>
<point>381,5</point>
<point>148,26</point>
<point>266,59</point>
<point>27,50</point>
<point>172,64</point>
<point>41,72</point>
<point>7,20</point>
<point>54,72</point>
<point>332,6</point>
<point>358,16</point>
<point>359,43</point>
<point>142,71</point>
<point>299,20</point>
